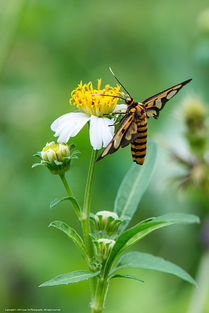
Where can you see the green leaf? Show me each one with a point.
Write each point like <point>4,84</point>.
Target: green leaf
<point>142,229</point>
<point>151,262</point>
<point>133,186</point>
<point>71,199</point>
<point>126,276</point>
<point>69,278</point>
<point>147,226</point>
<point>70,232</point>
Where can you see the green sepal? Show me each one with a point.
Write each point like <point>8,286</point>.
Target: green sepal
<point>72,234</point>
<point>151,262</point>
<point>58,162</point>
<point>142,229</point>
<point>126,276</point>
<point>69,278</point>
<point>73,157</point>
<point>133,187</point>
<point>38,154</point>
<point>37,164</point>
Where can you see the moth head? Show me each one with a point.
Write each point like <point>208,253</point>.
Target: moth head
<point>129,101</point>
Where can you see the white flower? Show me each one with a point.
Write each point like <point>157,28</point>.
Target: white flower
<point>94,110</point>
<point>68,125</point>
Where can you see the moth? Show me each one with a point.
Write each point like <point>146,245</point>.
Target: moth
<point>133,126</point>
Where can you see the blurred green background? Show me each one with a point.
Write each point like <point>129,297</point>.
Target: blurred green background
<point>46,48</point>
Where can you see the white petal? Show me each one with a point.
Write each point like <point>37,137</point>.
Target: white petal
<point>100,131</point>
<point>69,125</point>
<point>120,108</point>
<point>107,131</point>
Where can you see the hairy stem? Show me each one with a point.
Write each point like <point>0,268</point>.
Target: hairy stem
<point>98,302</point>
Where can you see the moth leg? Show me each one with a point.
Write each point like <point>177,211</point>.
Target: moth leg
<point>114,113</point>
<point>116,123</point>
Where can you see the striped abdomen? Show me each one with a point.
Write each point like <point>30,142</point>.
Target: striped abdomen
<point>138,147</point>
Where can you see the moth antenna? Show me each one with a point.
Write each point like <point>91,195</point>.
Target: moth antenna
<point>99,94</point>
<point>119,82</point>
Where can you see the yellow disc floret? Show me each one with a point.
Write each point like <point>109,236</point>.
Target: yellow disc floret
<point>90,101</point>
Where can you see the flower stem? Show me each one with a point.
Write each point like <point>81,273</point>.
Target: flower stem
<point>97,305</point>
<point>65,183</point>
<point>87,202</point>
<point>70,194</point>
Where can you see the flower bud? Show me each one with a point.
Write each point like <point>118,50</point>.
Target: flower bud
<point>103,247</point>
<point>57,157</point>
<point>106,222</point>
<point>48,155</point>
<point>55,151</point>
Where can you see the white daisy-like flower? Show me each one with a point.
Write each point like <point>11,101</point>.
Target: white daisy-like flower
<point>94,109</point>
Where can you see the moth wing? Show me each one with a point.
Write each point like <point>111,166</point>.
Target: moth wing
<point>155,103</point>
<point>130,135</point>
<point>124,135</point>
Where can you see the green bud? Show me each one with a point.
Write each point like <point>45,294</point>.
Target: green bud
<point>195,117</point>
<point>55,151</point>
<point>56,157</point>
<point>103,247</point>
<point>106,222</point>
<point>194,113</point>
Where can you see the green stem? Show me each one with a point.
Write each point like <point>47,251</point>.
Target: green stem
<point>87,202</point>
<point>70,194</point>
<point>200,293</point>
<point>97,305</point>
<point>65,183</point>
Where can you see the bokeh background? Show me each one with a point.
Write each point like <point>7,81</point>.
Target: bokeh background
<point>46,48</point>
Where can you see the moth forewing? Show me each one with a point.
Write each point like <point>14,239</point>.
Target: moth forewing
<point>156,103</point>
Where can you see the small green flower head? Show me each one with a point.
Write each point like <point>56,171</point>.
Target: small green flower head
<point>103,247</point>
<point>106,222</point>
<point>56,157</point>
<point>194,113</point>
<point>195,118</point>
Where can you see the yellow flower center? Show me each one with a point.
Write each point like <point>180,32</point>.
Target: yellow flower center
<point>53,146</point>
<point>85,99</point>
